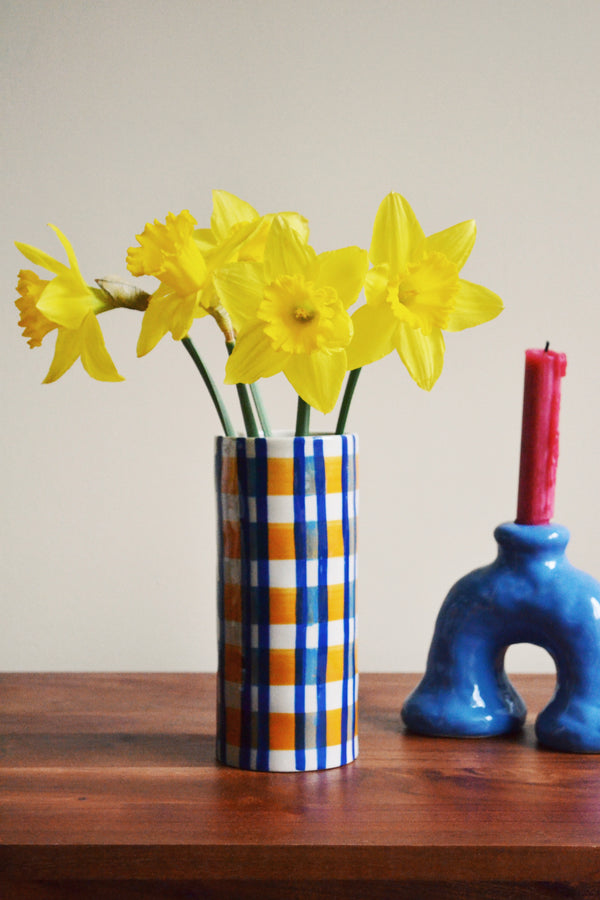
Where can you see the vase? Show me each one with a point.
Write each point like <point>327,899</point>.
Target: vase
<point>530,594</point>
<point>287,680</point>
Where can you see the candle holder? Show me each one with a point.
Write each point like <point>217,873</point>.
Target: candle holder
<point>530,594</point>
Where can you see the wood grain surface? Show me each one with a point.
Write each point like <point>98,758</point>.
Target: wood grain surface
<point>111,779</point>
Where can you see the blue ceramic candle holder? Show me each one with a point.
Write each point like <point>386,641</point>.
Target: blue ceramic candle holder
<point>530,594</point>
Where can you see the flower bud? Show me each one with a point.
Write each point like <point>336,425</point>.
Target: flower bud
<point>123,294</point>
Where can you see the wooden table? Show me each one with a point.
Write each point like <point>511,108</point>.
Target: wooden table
<point>109,789</point>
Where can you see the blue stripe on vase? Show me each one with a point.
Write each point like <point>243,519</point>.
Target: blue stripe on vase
<point>353,589</point>
<point>347,599</point>
<point>221,704</point>
<point>301,599</point>
<point>262,603</point>
<point>323,603</point>
<point>246,592</point>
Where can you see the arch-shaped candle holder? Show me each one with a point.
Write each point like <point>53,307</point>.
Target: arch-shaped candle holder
<point>530,594</point>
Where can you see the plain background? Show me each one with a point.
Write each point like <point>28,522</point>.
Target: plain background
<point>118,112</point>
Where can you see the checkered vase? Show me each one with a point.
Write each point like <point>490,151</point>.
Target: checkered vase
<point>287,680</point>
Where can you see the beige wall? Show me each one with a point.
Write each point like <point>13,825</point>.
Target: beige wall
<point>116,113</point>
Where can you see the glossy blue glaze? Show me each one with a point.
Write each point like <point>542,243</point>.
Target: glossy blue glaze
<point>530,594</point>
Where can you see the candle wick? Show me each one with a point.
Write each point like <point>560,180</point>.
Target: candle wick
<point>547,346</point>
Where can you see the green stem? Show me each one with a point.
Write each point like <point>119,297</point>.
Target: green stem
<point>244,397</point>
<point>347,400</point>
<point>302,418</point>
<point>212,388</point>
<point>260,409</point>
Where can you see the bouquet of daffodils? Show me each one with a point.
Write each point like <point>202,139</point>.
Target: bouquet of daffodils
<point>280,306</point>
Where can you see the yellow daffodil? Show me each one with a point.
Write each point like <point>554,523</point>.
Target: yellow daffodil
<point>184,260</point>
<point>293,310</point>
<point>170,253</point>
<point>68,304</point>
<point>414,293</point>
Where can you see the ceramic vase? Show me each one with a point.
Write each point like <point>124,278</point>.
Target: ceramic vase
<point>287,679</point>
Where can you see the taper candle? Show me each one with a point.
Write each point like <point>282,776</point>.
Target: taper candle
<point>544,370</point>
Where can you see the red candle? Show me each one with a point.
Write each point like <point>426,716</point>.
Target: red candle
<point>544,370</point>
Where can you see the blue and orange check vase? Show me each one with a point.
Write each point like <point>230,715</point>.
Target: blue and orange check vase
<point>287,679</point>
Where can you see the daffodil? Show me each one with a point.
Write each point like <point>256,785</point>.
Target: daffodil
<point>414,293</point>
<point>293,310</point>
<point>184,259</point>
<point>68,304</point>
<point>170,253</point>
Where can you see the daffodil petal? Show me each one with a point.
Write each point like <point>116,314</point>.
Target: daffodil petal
<point>456,242</point>
<point>166,311</point>
<point>66,301</point>
<point>240,288</point>
<point>252,247</point>
<point>253,357</point>
<point>66,351</point>
<point>296,221</point>
<point>94,355</point>
<point>232,248</point>
<point>201,310</point>
<point>345,270</point>
<point>39,258</point>
<point>286,253</point>
<point>205,240</point>
<point>374,333</point>
<point>474,304</point>
<point>69,251</point>
<point>229,210</point>
<point>153,329</point>
<point>182,316</point>
<point>397,236</point>
<point>376,284</point>
<point>248,241</point>
<point>423,355</point>
<point>317,377</point>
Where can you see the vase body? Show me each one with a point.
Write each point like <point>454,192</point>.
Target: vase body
<point>287,680</point>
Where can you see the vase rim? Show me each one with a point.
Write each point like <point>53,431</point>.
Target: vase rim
<point>286,436</point>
